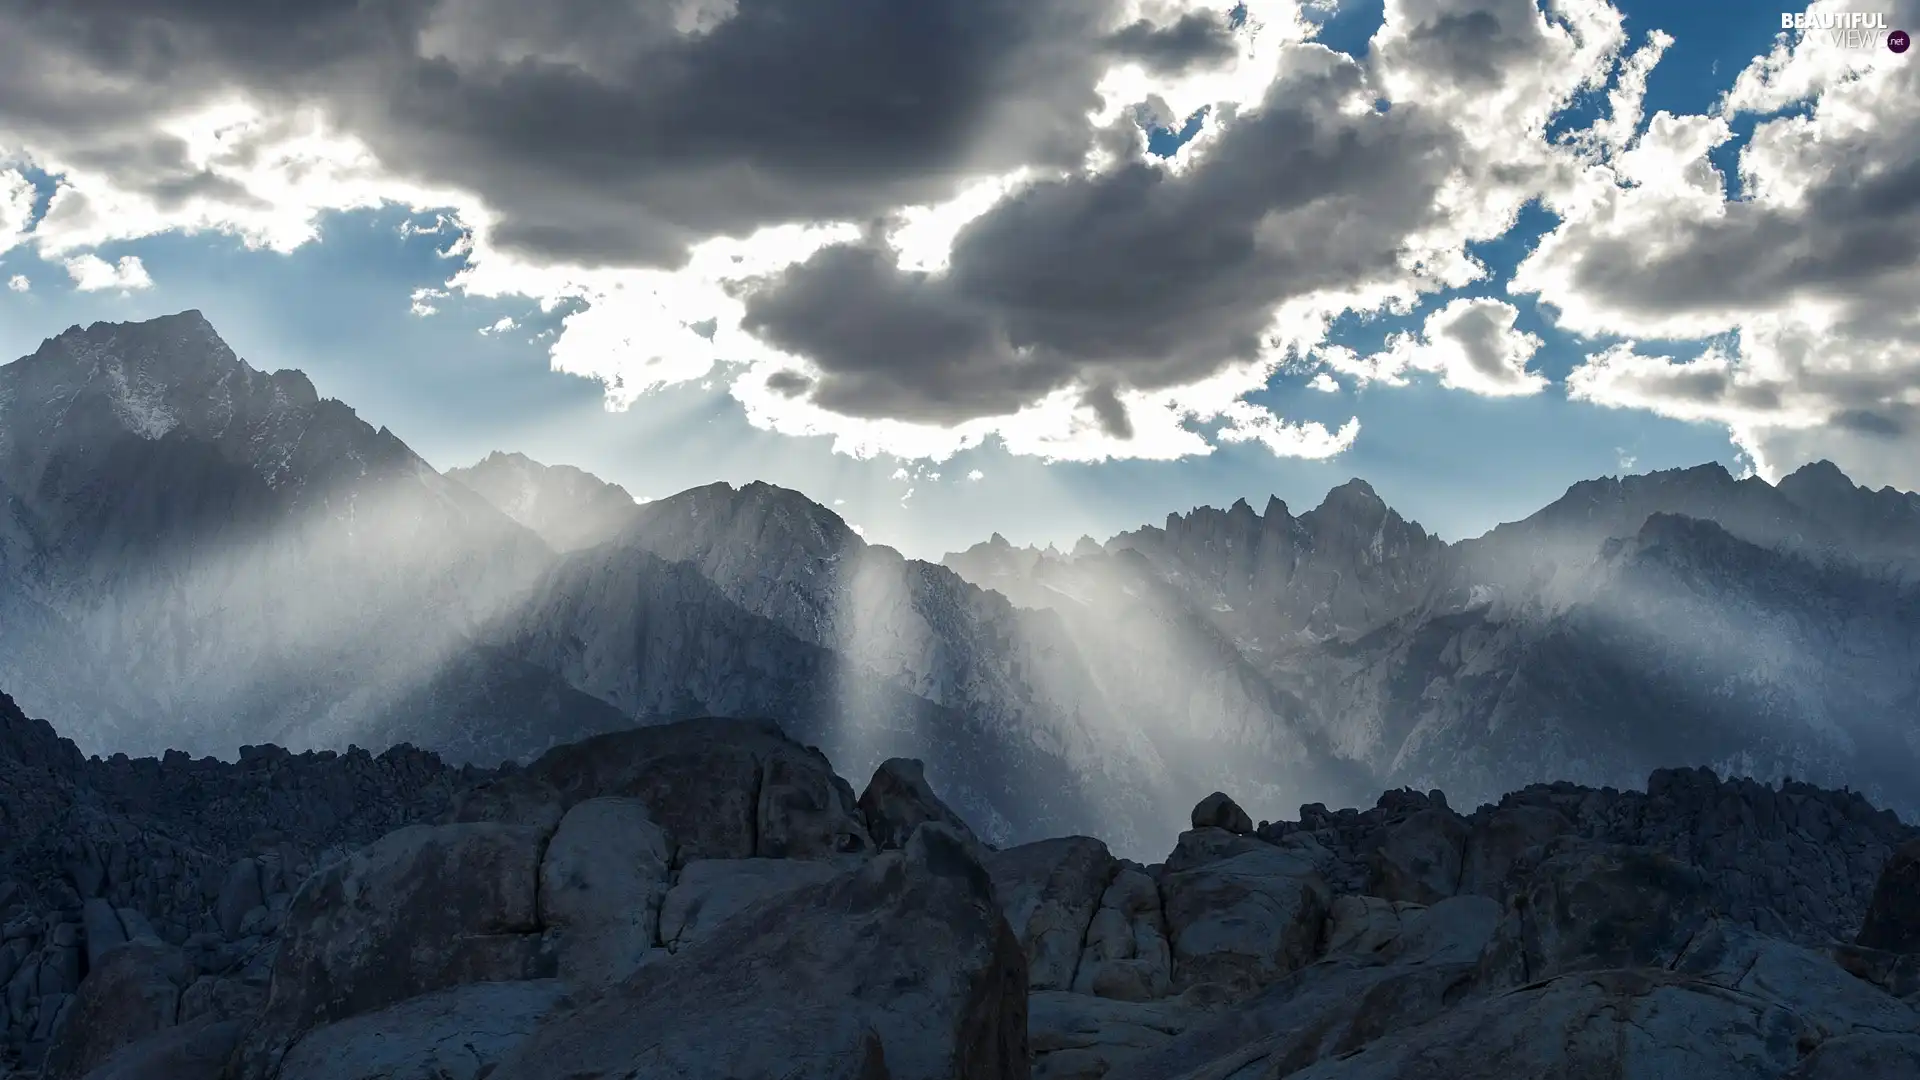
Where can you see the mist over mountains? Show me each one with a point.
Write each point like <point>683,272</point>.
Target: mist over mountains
<point>195,554</point>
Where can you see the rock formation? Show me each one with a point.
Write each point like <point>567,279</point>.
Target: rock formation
<point>708,899</point>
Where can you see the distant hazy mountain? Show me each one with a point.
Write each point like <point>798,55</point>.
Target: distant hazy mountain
<point>567,507</point>
<point>210,555</point>
<point>195,553</point>
<point>1683,616</point>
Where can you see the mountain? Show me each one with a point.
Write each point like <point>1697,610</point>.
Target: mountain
<point>202,554</point>
<point>713,899</point>
<point>198,554</point>
<point>569,508</point>
<point>1637,622</point>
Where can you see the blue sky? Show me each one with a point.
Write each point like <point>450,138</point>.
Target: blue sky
<point>340,308</point>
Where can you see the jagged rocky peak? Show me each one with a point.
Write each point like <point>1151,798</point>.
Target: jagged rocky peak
<point>779,522</point>
<point>568,507</point>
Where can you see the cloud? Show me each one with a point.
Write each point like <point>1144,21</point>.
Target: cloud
<point>910,227</point>
<point>19,283</point>
<point>1803,283</point>
<point>976,476</point>
<point>91,273</point>
<point>1324,383</point>
<point>17,199</point>
<point>1471,343</point>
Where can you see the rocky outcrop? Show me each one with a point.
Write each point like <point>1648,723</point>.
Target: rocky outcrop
<point>709,899</point>
<point>899,800</point>
<point>910,953</point>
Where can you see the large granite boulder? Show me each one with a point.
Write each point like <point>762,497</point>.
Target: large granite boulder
<point>132,993</point>
<point>1242,922</point>
<point>1049,892</point>
<point>1893,915</point>
<point>1334,1006</point>
<point>711,891</point>
<point>1591,907</point>
<point>602,879</point>
<point>899,800</point>
<point>904,968</point>
<point>1217,811</point>
<point>422,909</point>
<point>1127,956</point>
<point>719,789</point>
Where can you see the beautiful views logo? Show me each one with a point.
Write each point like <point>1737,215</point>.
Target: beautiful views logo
<point>1848,29</point>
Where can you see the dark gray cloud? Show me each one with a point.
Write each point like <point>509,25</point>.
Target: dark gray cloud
<point>1195,38</point>
<point>1137,277</point>
<point>601,131</point>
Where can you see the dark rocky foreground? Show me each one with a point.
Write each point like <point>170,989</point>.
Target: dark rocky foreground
<point>709,900</point>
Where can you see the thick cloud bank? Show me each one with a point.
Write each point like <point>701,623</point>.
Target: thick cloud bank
<point>917,227</point>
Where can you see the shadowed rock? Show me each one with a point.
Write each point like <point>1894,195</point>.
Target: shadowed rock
<point>423,909</point>
<point>899,800</point>
<point>911,948</point>
<point>1217,811</point>
<point>1893,915</point>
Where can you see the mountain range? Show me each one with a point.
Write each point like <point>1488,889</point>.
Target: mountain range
<point>198,554</point>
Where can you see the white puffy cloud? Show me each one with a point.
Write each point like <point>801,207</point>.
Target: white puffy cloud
<point>19,283</point>
<point>1471,343</point>
<point>17,198</point>
<point>91,273</point>
<point>1800,287</point>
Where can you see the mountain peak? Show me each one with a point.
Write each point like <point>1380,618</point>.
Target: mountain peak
<point>1816,475</point>
<point>1355,494</point>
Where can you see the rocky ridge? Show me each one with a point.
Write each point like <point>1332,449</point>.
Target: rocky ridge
<point>710,899</point>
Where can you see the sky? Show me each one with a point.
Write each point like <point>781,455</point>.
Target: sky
<point>1037,267</point>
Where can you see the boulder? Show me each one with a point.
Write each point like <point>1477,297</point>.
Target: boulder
<point>1335,1006</point>
<point>719,788</point>
<point>1242,922</point>
<point>899,800</point>
<point>903,968</point>
<point>1893,914</point>
<point>1502,839</point>
<point>1197,847</point>
<point>807,811</point>
<point>452,1034</point>
<point>197,1051</point>
<point>1217,811</point>
<point>1127,956</point>
<point>423,908</point>
<point>711,891</point>
<point>602,879</point>
<point>1077,1037</point>
<point>132,994</point>
<point>1049,892</point>
<point>1586,908</point>
<point>1365,924</point>
<point>1611,1023</point>
<point>1420,861</point>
